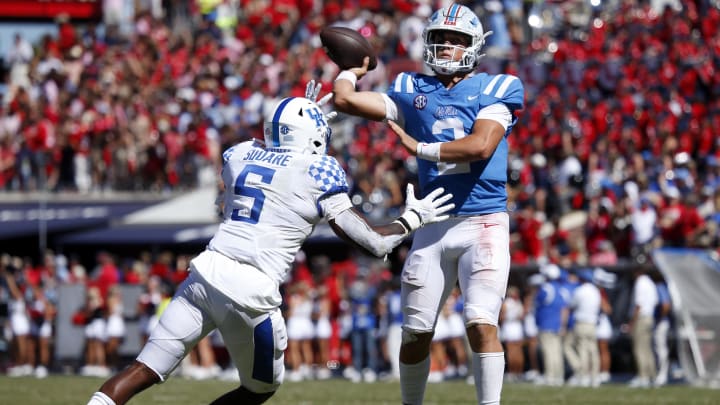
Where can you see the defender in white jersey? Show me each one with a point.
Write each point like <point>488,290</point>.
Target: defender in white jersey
<point>274,196</point>
<point>456,123</point>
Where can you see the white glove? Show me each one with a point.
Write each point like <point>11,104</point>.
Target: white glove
<point>432,208</point>
<point>312,90</point>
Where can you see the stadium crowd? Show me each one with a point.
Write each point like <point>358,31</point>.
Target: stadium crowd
<point>615,153</point>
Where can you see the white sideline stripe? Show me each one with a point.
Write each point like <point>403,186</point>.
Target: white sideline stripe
<point>504,86</point>
<point>490,85</point>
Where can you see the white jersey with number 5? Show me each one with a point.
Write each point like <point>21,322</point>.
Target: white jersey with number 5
<point>272,204</point>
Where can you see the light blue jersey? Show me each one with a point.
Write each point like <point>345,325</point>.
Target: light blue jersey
<point>432,113</point>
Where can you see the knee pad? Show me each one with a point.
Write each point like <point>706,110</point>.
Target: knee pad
<point>408,337</point>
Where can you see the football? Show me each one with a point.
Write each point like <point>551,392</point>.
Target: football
<point>347,47</point>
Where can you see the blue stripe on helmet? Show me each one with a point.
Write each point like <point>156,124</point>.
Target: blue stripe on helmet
<point>276,121</point>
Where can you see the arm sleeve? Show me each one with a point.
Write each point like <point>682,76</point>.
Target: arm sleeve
<point>359,231</point>
<point>337,207</point>
<point>334,204</point>
<point>498,112</point>
<point>391,109</point>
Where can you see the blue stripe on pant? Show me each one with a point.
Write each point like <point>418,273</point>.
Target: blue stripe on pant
<point>264,352</point>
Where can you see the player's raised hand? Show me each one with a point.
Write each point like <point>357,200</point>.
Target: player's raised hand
<point>407,141</point>
<point>312,90</point>
<point>433,208</point>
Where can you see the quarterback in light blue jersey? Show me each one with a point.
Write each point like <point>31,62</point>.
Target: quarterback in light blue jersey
<point>274,196</point>
<point>433,113</point>
<point>456,123</point>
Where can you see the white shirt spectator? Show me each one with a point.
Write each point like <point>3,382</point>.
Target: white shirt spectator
<point>22,51</point>
<point>645,295</point>
<point>410,31</point>
<point>643,220</point>
<point>569,168</point>
<point>586,303</point>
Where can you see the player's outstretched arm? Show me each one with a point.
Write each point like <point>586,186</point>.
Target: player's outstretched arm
<point>366,104</point>
<point>479,145</point>
<point>379,240</point>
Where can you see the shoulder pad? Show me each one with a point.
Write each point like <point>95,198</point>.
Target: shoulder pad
<point>507,89</point>
<point>328,175</point>
<point>231,150</point>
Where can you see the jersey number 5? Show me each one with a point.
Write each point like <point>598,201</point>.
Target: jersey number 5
<point>248,194</point>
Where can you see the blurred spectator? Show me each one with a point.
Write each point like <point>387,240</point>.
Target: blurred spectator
<point>660,334</point>
<point>605,281</point>
<point>394,333</point>
<point>643,220</point>
<point>42,318</point>
<point>115,327</point>
<point>105,275</point>
<point>530,327</point>
<point>20,343</point>
<point>364,323</point>
<point>18,58</point>
<point>511,333</point>
<point>438,352</point>
<point>551,317</point>
<point>569,283</point>
<point>585,305</point>
<point>301,330</point>
<point>456,345</point>
<point>92,318</point>
<point>644,300</point>
<point>322,311</point>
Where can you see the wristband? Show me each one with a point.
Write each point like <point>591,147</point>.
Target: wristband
<point>428,151</point>
<point>347,75</point>
<point>410,220</point>
<point>402,222</point>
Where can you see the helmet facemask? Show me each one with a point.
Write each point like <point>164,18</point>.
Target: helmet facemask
<point>458,60</point>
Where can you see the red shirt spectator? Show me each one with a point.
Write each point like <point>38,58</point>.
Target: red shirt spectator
<point>106,274</point>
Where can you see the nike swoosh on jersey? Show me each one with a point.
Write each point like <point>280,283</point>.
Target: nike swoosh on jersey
<point>472,97</point>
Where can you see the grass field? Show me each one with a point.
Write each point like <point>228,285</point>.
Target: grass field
<point>62,390</point>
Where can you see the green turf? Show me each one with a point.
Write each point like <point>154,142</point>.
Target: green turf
<point>61,390</point>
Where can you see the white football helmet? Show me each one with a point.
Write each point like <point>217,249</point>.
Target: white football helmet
<point>298,124</point>
<point>460,19</point>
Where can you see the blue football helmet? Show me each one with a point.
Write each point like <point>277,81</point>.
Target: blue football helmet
<point>459,19</point>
